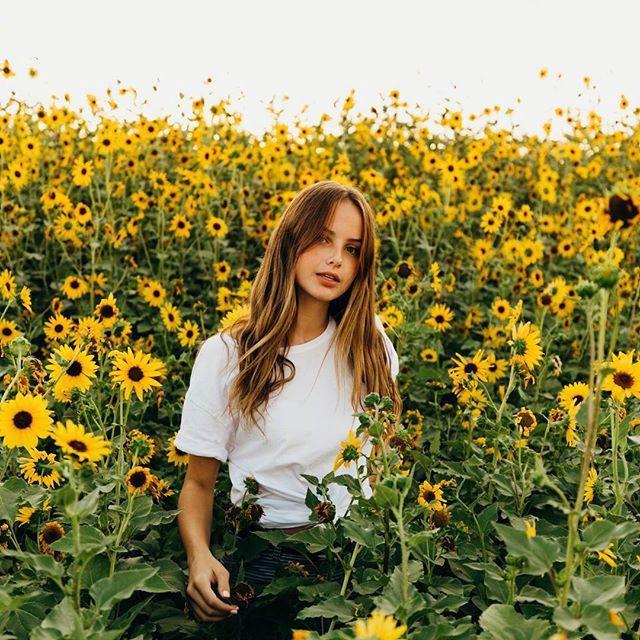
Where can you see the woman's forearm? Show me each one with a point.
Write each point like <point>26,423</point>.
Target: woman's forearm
<point>194,520</point>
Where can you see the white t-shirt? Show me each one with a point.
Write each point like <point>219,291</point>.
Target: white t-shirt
<point>305,423</point>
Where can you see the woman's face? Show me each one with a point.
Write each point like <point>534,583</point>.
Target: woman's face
<point>337,252</point>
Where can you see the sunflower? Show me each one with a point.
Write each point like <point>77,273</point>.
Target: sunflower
<point>441,317</point>
<point>57,327</point>
<point>40,468</point>
<point>7,284</point>
<point>136,372</point>
<point>24,515</point>
<point>380,626</point>
<point>525,340</point>
<point>349,451</point>
<point>79,444</point>
<point>153,293</point>
<point>430,495</point>
<point>624,382</point>
<point>501,309</point>
<point>526,421</point>
<point>107,311</point>
<point>138,479</point>
<point>608,556</point>
<point>74,287</point>
<point>188,333</point>
<point>171,317</point>
<point>176,456</point>
<point>476,368</point>
<point>23,420</point>
<point>160,488</point>
<point>573,394</point>
<point>70,368</point>
<point>51,532</point>
<point>8,331</point>
<point>141,446</point>
<point>589,485</point>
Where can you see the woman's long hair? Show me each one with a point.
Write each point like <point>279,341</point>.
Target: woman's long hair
<point>262,332</point>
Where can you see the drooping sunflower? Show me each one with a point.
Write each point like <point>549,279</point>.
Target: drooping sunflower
<point>79,444</point>
<point>23,420</point>
<point>624,382</point>
<point>525,339</point>
<point>136,371</point>
<point>138,479</point>
<point>379,626</point>
<point>140,445</point>
<point>526,421</point>
<point>70,368</point>
<point>40,468</point>
<point>176,456</point>
<point>51,532</point>
<point>349,451</point>
<point>590,484</point>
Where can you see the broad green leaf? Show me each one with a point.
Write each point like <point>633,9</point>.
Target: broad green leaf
<point>64,618</point>
<point>358,532</point>
<point>108,591</point>
<point>41,563</point>
<point>600,533</point>
<point>336,607</point>
<point>601,590</point>
<point>539,552</point>
<point>503,622</point>
<point>315,538</point>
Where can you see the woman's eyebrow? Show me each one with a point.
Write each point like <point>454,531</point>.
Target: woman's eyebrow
<point>349,240</point>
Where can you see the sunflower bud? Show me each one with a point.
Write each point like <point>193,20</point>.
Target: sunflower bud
<point>586,289</point>
<point>607,276</point>
<point>19,347</point>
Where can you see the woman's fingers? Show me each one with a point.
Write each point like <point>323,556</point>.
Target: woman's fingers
<point>203,617</point>
<point>210,599</point>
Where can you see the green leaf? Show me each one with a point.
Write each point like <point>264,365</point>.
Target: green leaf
<point>41,563</point>
<point>92,542</point>
<point>392,595</point>
<point>336,607</point>
<point>599,533</point>
<point>169,578</point>
<point>359,532</point>
<point>84,507</point>
<point>503,622</point>
<point>539,552</point>
<point>64,618</point>
<point>602,590</point>
<point>13,492</point>
<point>120,586</point>
<point>315,538</point>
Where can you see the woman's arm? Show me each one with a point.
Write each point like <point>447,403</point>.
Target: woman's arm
<point>194,523</point>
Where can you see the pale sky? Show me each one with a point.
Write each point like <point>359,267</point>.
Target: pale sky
<point>473,53</point>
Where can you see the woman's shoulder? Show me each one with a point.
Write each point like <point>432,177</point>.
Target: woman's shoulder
<point>218,350</point>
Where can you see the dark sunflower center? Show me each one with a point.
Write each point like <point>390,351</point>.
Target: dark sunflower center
<point>22,420</point>
<point>138,479</point>
<point>50,534</point>
<point>623,379</point>
<point>135,374</point>
<point>428,495</point>
<point>470,367</point>
<point>78,445</point>
<point>74,369</point>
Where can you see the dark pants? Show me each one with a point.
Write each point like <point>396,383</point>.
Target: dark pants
<point>271,617</point>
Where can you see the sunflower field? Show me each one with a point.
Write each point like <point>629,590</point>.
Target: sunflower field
<point>506,505</point>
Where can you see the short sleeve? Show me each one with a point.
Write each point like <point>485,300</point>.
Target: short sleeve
<point>205,424</point>
<point>391,351</point>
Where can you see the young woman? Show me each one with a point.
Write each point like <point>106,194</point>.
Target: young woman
<point>306,354</point>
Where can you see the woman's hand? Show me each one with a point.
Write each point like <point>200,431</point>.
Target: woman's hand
<point>205,571</point>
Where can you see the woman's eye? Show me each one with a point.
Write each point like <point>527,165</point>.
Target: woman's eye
<point>356,251</point>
